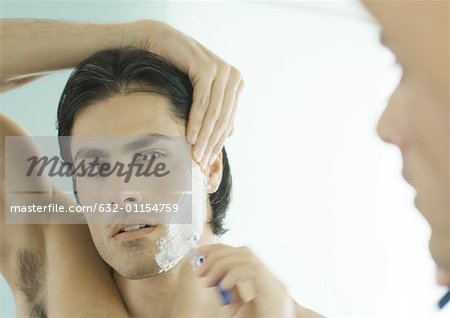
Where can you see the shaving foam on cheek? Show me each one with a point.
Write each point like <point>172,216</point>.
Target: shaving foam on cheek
<point>177,242</point>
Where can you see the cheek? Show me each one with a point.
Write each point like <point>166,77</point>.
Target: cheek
<point>100,243</point>
<point>95,232</point>
<point>91,192</point>
<point>428,121</point>
<point>82,189</point>
<point>99,237</point>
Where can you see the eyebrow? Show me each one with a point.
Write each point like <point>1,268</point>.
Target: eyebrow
<point>144,141</point>
<point>87,153</point>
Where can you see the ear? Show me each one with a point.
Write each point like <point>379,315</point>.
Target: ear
<point>213,174</point>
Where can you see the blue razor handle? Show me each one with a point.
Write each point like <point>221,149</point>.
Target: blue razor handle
<point>444,300</point>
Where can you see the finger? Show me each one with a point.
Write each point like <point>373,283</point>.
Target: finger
<point>244,286</point>
<point>220,259</point>
<point>219,145</point>
<point>16,83</point>
<point>208,249</point>
<point>240,277</point>
<point>216,139</point>
<point>211,259</point>
<point>241,287</point>
<point>235,306</point>
<point>217,148</point>
<point>212,113</point>
<point>200,102</point>
<point>220,270</point>
<point>235,107</point>
<point>231,132</point>
<point>228,296</point>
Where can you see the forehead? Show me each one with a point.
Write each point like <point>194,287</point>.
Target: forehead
<point>418,33</point>
<point>414,22</point>
<point>133,114</point>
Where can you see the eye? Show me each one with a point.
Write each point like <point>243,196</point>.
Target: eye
<point>94,168</point>
<point>151,155</point>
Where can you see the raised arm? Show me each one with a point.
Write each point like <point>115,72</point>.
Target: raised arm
<point>42,46</point>
<point>32,48</point>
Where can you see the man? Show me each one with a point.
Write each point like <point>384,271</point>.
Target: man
<point>61,259</point>
<point>418,114</point>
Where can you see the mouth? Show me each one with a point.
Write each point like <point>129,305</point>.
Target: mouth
<point>127,232</point>
<point>406,177</point>
<point>443,277</point>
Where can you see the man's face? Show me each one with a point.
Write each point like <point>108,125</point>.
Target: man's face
<point>145,120</point>
<point>417,116</point>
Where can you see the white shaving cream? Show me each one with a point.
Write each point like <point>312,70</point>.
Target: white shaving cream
<point>180,238</point>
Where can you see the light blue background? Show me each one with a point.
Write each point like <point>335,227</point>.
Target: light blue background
<point>32,104</point>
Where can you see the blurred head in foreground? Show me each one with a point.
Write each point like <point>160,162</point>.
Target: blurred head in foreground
<point>417,116</point>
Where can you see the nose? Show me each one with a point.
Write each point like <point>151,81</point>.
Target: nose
<point>391,125</point>
<point>126,197</point>
<point>383,129</point>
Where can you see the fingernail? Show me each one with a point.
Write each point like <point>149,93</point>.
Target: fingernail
<point>192,138</point>
<point>212,159</point>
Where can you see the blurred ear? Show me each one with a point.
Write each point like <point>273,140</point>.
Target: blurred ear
<point>213,174</point>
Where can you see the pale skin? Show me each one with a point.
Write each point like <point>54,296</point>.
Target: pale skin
<point>64,249</point>
<point>417,117</point>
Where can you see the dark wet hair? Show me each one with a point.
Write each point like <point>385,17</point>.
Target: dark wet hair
<point>125,70</point>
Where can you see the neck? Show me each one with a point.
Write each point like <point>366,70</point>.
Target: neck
<point>175,293</point>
